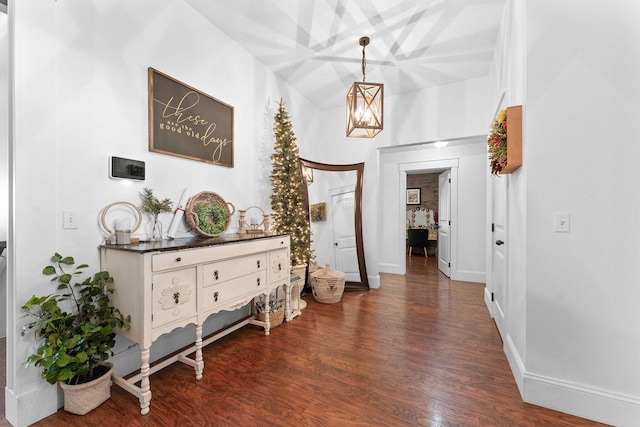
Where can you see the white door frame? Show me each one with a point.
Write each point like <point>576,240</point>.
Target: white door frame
<point>431,166</point>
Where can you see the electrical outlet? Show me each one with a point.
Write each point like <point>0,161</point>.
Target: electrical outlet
<point>69,219</point>
<point>562,222</point>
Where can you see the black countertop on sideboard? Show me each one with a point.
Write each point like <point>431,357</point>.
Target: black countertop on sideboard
<point>190,242</point>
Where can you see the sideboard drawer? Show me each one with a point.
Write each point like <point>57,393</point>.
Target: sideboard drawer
<point>174,297</point>
<point>218,272</point>
<point>234,293</point>
<point>169,260</point>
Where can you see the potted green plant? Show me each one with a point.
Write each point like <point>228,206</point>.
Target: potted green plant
<point>152,205</point>
<point>77,327</point>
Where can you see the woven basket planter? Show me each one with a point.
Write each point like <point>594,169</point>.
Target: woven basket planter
<point>208,214</point>
<point>327,285</point>
<point>275,318</point>
<point>82,398</point>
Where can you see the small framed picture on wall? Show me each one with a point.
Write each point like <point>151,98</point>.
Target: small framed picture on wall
<point>413,196</point>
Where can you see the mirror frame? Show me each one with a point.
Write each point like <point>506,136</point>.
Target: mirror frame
<point>359,169</point>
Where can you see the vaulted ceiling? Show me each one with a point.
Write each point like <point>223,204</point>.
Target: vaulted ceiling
<point>313,44</point>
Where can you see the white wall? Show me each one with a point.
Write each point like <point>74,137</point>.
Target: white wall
<point>582,287</point>
<point>80,85</point>
<point>577,335</point>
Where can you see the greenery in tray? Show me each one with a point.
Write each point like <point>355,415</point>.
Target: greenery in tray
<point>212,218</point>
<point>76,325</point>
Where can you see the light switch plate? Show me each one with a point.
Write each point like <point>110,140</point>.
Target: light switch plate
<point>562,222</point>
<point>69,219</point>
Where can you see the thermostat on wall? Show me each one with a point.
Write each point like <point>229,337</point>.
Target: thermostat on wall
<point>121,168</point>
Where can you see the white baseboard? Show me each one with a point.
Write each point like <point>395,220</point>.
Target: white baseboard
<point>559,395</point>
<point>469,276</point>
<point>515,363</point>
<point>593,404</point>
<point>487,301</point>
<point>390,268</point>
<point>28,408</point>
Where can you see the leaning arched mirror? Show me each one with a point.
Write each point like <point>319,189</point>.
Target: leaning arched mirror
<point>334,201</point>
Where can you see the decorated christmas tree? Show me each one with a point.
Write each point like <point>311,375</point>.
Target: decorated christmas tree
<point>288,201</point>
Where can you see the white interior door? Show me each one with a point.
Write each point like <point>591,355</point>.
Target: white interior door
<point>344,237</point>
<point>444,223</point>
<point>498,275</point>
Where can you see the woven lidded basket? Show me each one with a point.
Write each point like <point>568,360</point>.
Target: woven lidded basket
<point>208,214</point>
<point>327,285</point>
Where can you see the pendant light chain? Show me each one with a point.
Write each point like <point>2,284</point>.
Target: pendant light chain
<point>364,63</point>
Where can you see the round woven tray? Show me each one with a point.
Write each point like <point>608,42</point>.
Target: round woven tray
<point>208,214</point>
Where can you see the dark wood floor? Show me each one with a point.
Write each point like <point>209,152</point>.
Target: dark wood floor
<point>420,351</point>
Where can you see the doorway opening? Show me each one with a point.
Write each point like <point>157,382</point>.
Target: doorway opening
<point>422,212</point>
<point>428,217</point>
<point>446,172</point>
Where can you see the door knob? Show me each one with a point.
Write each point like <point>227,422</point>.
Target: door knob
<point>499,242</point>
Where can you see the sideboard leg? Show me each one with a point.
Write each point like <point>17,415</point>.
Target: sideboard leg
<point>287,301</point>
<point>145,387</point>
<point>199,359</point>
<point>267,322</point>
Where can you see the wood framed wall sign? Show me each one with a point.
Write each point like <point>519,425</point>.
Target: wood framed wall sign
<point>188,123</point>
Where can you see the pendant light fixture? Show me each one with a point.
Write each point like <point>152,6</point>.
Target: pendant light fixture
<point>365,102</point>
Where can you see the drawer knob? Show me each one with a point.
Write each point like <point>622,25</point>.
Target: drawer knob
<point>279,266</point>
<point>258,281</point>
<point>215,296</point>
<point>258,263</point>
<point>215,274</point>
<point>176,297</point>
<point>178,259</point>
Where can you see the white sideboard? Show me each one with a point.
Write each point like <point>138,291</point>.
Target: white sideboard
<point>174,283</point>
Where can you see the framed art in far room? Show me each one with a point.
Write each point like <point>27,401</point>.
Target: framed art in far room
<point>413,196</point>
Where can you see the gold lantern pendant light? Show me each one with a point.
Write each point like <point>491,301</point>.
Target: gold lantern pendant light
<point>365,102</point>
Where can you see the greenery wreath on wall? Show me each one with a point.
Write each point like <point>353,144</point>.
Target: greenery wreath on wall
<point>497,141</point>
